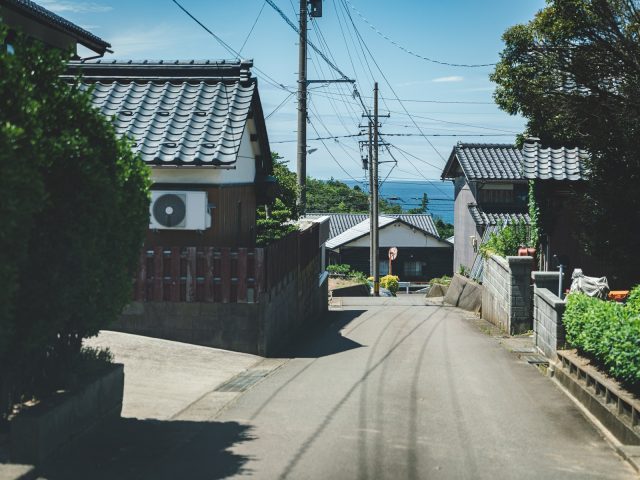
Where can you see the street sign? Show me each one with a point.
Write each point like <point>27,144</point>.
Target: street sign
<point>393,254</point>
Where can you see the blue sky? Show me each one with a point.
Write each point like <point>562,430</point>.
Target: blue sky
<point>455,31</point>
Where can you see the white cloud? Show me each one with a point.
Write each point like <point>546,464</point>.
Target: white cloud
<point>63,6</point>
<point>155,43</point>
<point>453,78</point>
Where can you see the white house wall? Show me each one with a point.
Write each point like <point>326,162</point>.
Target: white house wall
<point>244,171</point>
<point>400,235</point>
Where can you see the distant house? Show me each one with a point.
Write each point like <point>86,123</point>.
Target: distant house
<point>490,189</point>
<point>199,125</point>
<point>37,22</point>
<point>422,254</point>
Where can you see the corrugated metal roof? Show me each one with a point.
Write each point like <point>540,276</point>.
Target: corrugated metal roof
<point>357,231</point>
<point>554,163</point>
<point>341,222</point>
<point>47,17</point>
<point>484,161</point>
<point>172,114</point>
<point>495,218</point>
<point>422,221</point>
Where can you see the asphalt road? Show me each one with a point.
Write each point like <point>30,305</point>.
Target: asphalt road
<point>393,392</point>
<point>414,393</point>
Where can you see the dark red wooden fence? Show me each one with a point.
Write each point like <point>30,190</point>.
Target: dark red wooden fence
<point>221,275</point>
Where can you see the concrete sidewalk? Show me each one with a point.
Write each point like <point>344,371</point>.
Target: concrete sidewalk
<point>163,378</point>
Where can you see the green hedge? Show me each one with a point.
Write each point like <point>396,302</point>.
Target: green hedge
<point>608,331</point>
<point>74,212</point>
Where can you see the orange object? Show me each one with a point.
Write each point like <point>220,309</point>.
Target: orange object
<point>618,295</point>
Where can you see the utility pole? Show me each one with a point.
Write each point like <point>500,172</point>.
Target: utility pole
<point>372,257</point>
<point>302,112</point>
<point>374,195</point>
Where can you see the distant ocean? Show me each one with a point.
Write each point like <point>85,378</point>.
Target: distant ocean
<point>408,194</point>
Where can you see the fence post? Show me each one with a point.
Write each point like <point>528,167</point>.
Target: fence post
<point>225,274</point>
<point>158,274</point>
<point>174,294</point>
<point>208,274</point>
<point>190,287</point>
<point>242,275</point>
<point>259,274</point>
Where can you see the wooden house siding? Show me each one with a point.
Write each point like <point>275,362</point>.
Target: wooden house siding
<point>233,220</point>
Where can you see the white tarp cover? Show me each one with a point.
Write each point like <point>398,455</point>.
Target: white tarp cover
<point>592,286</point>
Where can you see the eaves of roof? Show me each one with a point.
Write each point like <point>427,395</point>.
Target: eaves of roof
<point>179,113</point>
<point>40,14</point>
<point>362,229</point>
<point>484,219</point>
<point>341,222</point>
<point>484,162</point>
<point>561,164</point>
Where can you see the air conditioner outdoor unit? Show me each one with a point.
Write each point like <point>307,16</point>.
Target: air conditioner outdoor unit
<point>176,210</point>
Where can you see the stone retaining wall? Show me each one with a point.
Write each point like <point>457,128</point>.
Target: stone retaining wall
<point>547,322</point>
<point>464,293</point>
<point>506,295</point>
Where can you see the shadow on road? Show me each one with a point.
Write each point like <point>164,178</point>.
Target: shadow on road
<point>140,449</point>
<point>326,339</point>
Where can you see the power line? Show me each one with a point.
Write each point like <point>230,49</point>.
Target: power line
<point>229,49</point>
<point>410,52</point>
<point>311,44</point>
<point>412,116</point>
<point>280,106</point>
<point>331,154</point>
<point>252,27</point>
<point>354,135</point>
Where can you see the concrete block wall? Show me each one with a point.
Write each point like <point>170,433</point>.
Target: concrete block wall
<point>56,424</point>
<point>548,280</point>
<point>260,328</point>
<point>548,329</point>
<point>506,294</point>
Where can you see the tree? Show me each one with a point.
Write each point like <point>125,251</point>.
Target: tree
<point>75,210</point>
<point>334,196</point>
<point>444,229</point>
<point>574,73</point>
<point>287,184</point>
<point>274,220</point>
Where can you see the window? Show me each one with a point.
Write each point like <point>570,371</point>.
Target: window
<point>383,267</point>
<point>496,196</point>
<point>413,268</point>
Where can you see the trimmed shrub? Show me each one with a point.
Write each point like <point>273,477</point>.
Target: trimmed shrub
<point>339,268</point>
<point>608,331</point>
<point>74,215</point>
<point>390,282</point>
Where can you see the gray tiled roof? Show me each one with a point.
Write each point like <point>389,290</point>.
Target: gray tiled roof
<point>482,218</point>
<point>191,113</point>
<point>340,222</point>
<point>483,161</point>
<point>42,15</point>
<point>554,163</point>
